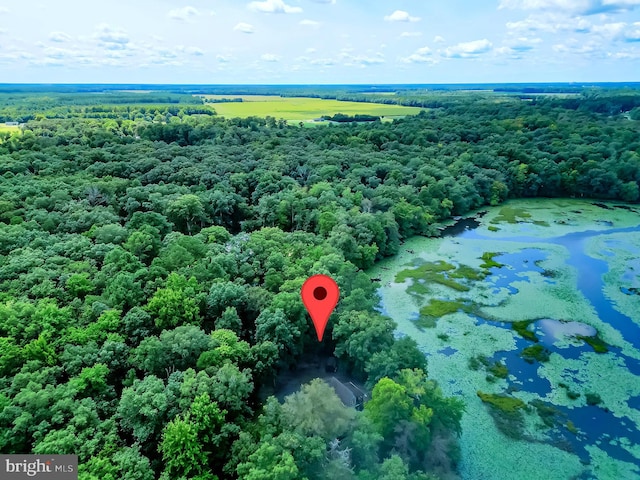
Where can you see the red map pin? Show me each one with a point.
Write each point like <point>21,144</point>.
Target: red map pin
<point>320,295</point>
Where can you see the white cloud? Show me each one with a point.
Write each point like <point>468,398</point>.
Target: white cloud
<point>362,61</point>
<point>633,33</point>
<point>310,23</point>
<point>625,55</point>
<point>552,23</point>
<point>324,1</point>
<point>111,37</point>
<point>523,44</point>
<point>438,39</point>
<point>195,51</point>
<point>244,27</point>
<point>184,13</point>
<point>325,62</point>
<point>422,55</point>
<point>619,31</point>
<point>411,34</point>
<point>59,37</point>
<point>270,57</point>
<point>310,50</point>
<point>223,58</point>
<point>576,7</point>
<point>273,6</point>
<point>468,49</point>
<point>401,16</point>
<point>4,10</point>
<point>55,52</point>
<point>610,30</point>
<point>589,49</point>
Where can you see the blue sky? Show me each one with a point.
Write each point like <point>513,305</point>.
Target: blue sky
<point>319,41</point>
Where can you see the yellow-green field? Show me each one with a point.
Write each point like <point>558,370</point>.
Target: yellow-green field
<point>9,128</point>
<point>302,108</point>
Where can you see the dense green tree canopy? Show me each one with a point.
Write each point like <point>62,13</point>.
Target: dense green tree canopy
<point>152,255</point>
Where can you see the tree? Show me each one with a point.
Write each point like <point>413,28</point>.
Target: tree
<point>177,349</point>
<point>225,348</point>
<point>389,407</point>
<point>403,354</point>
<point>186,211</point>
<point>223,295</point>
<point>177,304</point>
<point>276,327</point>
<point>181,449</point>
<point>316,409</point>
<point>229,320</point>
<point>145,407</point>
<point>79,285</point>
<point>359,335</point>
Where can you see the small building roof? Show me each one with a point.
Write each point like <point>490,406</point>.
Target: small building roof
<point>344,393</point>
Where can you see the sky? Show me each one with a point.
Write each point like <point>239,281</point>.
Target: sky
<point>319,41</point>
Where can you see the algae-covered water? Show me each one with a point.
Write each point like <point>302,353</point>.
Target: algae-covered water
<point>532,315</point>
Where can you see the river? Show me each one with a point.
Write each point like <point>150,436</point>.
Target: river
<point>569,272</point>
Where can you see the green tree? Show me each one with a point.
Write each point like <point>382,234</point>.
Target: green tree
<point>360,334</point>
<point>177,303</point>
<point>186,211</point>
<point>317,410</point>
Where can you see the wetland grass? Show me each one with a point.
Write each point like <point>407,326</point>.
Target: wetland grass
<point>535,353</point>
<point>511,215</point>
<point>489,262</point>
<point>595,342</point>
<point>523,331</point>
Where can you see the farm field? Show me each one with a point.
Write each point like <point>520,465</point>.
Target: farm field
<point>9,128</point>
<point>302,108</point>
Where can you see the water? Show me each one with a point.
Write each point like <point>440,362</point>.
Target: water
<point>597,425</point>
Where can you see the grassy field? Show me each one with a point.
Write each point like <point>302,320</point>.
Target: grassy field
<point>302,108</point>
<point>9,128</point>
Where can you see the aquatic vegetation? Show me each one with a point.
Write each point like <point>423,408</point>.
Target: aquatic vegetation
<point>521,299</point>
<point>423,269</point>
<point>506,412</point>
<point>425,321</point>
<point>488,260</point>
<point>535,353</point>
<point>478,361</point>
<point>432,272</point>
<point>523,331</point>
<point>598,345</point>
<point>570,393</point>
<point>499,369</point>
<point>439,308</point>
<point>547,412</point>
<point>509,214</point>
<point>469,273</point>
<point>593,399</point>
<point>504,403</point>
<point>573,395</point>
<point>418,288</point>
<point>492,228</point>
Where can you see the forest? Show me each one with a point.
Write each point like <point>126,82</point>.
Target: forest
<point>152,255</point>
